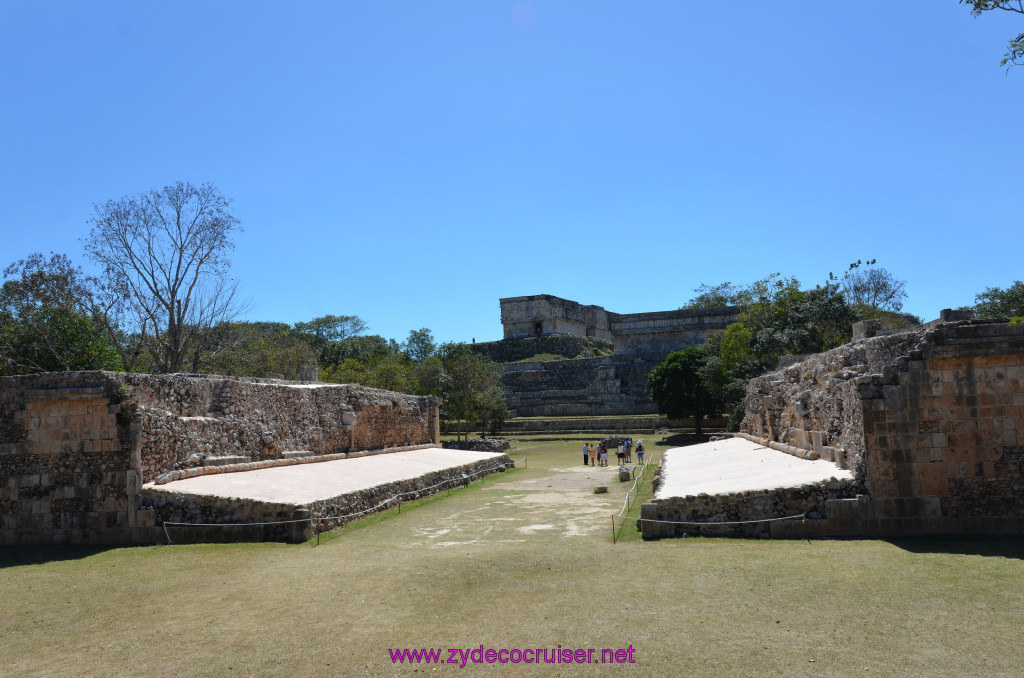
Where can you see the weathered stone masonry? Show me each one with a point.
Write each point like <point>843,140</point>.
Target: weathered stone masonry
<point>76,447</point>
<point>930,421</point>
<point>609,385</point>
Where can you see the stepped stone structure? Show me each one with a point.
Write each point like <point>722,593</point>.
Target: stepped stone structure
<point>929,421</point>
<point>77,447</point>
<point>603,385</point>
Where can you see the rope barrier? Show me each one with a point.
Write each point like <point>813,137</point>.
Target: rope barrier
<point>462,479</point>
<point>626,504</point>
<point>724,522</point>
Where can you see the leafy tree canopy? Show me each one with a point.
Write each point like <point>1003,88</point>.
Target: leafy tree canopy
<point>678,387</point>
<point>714,296</point>
<point>45,322</point>
<point>995,302</point>
<point>328,328</point>
<point>871,288</point>
<point>254,349</point>
<point>1015,54</point>
<point>469,385</point>
<point>420,345</point>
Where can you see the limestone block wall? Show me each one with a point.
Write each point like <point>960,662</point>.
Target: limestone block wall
<point>667,331</point>
<point>667,517</point>
<point>609,385</point>
<point>76,447</point>
<point>633,333</point>
<point>69,466</point>
<point>186,420</point>
<point>521,317</point>
<point>815,404</point>
<point>566,345</point>
<point>928,420</point>
<point>943,449</point>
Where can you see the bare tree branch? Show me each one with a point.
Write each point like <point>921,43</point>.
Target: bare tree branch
<point>164,255</point>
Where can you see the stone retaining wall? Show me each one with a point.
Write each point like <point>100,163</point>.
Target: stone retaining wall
<point>565,345</point>
<point>761,505</point>
<point>930,420</point>
<point>211,519</point>
<point>76,447</point>
<point>627,424</point>
<point>611,385</point>
<point>185,419</point>
<point>478,444</point>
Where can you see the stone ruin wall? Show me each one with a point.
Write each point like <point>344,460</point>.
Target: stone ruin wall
<point>69,463</point>
<point>582,387</point>
<point>662,332</point>
<point>695,516</point>
<point>569,346</point>
<point>615,385</point>
<point>930,421</point>
<point>76,447</point>
<point>190,421</point>
<point>521,315</point>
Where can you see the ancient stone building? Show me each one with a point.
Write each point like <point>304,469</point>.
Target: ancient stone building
<point>76,447</point>
<point>632,333</point>
<point>603,385</point>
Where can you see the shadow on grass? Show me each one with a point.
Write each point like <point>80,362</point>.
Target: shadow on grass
<point>1003,546</point>
<point>14,556</point>
<point>682,440</point>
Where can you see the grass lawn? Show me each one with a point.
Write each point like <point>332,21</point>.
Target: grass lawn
<point>522,559</point>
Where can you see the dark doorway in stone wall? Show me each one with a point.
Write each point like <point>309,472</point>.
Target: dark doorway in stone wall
<point>538,328</point>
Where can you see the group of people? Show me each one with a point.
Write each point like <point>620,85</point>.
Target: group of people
<point>597,453</point>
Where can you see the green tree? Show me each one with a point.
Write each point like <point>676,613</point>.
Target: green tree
<point>995,302</point>
<point>714,296</point>
<point>392,371</point>
<point>467,385</point>
<point>719,371</point>
<point>678,388</point>
<point>45,319</point>
<point>253,349</point>
<point>1015,54</point>
<point>734,346</point>
<point>427,376</point>
<point>328,329</point>
<point>420,345</point>
<point>493,408</point>
<point>346,372</point>
<point>870,289</point>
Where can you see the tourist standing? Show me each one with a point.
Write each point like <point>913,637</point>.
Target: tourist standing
<point>593,455</point>
<point>640,451</point>
<point>586,453</point>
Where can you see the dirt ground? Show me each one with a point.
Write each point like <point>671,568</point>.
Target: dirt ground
<point>556,501</point>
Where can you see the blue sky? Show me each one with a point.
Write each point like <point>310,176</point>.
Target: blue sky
<point>413,162</point>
